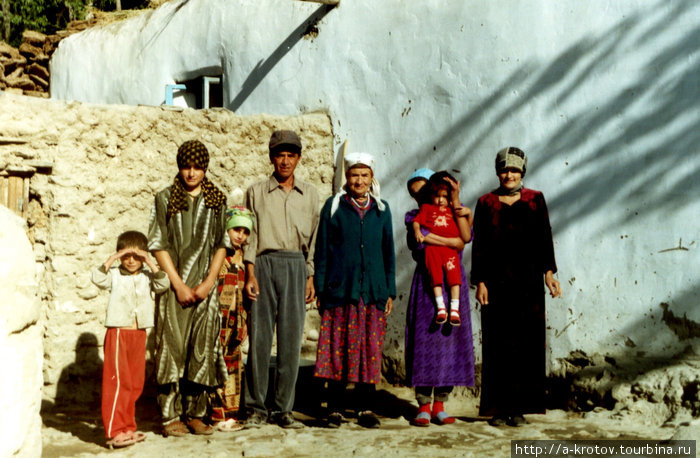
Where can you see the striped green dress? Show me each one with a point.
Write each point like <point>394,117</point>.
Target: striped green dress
<point>187,338</point>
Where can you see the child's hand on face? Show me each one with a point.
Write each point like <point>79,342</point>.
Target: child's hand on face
<point>135,252</point>
<point>140,252</point>
<point>123,252</point>
<point>146,257</point>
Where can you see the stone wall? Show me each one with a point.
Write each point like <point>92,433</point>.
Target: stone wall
<point>25,70</point>
<point>97,169</point>
<point>20,342</point>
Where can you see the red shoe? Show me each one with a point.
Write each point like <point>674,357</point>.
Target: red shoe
<point>454,318</point>
<point>423,416</point>
<point>441,316</point>
<point>440,417</point>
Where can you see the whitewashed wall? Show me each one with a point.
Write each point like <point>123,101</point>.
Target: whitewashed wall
<point>602,95</point>
<point>21,348</point>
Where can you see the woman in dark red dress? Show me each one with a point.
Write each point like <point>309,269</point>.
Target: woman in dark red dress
<point>513,251</point>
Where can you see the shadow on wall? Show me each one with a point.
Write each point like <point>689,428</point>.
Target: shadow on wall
<point>646,124</point>
<point>265,66</point>
<point>77,405</point>
<point>635,150</point>
<point>152,39</point>
<point>81,381</point>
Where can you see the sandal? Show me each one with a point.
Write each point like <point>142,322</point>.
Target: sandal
<point>228,426</point>
<point>441,316</point>
<point>454,318</point>
<point>422,419</point>
<point>138,436</point>
<point>198,427</point>
<point>440,417</point>
<point>443,418</point>
<point>123,439</point>
<point>423,416</point>
<point>176,429</point>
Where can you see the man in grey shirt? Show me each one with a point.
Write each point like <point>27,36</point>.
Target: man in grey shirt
<point>279,279</point>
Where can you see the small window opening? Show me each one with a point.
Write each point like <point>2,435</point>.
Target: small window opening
<point>201,92</point>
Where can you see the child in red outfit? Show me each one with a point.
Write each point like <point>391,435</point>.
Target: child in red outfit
<point>130,311</point>
<point>439,218</point>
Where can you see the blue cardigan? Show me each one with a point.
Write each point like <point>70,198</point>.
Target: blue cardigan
<point>354,256</point>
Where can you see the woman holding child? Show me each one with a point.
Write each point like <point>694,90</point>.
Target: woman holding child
<point>439,354</point>
<point>513,252</point>
<point>355,282</point>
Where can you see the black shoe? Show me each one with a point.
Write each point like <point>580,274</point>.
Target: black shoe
<point>368,419</point>
<point>498,420</point>
<point>516,420</point>
<point>334,420</point>
<point>255,420</point>
<point>286,420</point>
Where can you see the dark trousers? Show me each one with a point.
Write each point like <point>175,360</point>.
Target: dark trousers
<point>280,304</point>
<point>425,394</point>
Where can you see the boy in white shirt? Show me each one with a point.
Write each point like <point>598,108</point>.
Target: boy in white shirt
<point>131,310</point>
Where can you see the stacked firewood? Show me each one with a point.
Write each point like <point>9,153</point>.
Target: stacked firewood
<point>25,70</point>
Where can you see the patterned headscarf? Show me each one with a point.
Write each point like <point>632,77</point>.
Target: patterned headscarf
<point>239,217</point>
<point>511,158</point>
<point>193,152</point>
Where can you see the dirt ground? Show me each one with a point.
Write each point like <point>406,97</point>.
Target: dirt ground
<point>77,432</point>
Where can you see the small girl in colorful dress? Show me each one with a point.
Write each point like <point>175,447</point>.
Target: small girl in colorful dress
<point>445,219</point>
<point>226,399</point>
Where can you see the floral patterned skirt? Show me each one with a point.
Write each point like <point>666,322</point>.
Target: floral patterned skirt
<point>350,343</point>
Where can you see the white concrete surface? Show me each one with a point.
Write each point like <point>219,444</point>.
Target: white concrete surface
<point>21,349</point>
<point>602,95</point>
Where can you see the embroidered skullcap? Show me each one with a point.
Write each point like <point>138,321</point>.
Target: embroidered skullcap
<point>192,152</point>
<point>511,158</point>
<point>239,217</point>
<point>420,174</point>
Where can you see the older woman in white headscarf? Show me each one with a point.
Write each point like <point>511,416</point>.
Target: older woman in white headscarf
<point>355,282</point>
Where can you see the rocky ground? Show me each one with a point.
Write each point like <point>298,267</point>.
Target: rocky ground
<point>76,432</point>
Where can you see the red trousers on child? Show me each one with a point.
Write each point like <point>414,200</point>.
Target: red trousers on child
<point>438,258</point>
<point>123,376</point>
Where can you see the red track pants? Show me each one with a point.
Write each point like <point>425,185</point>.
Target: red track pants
<point>439,259</point>
<point>122,378</point>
